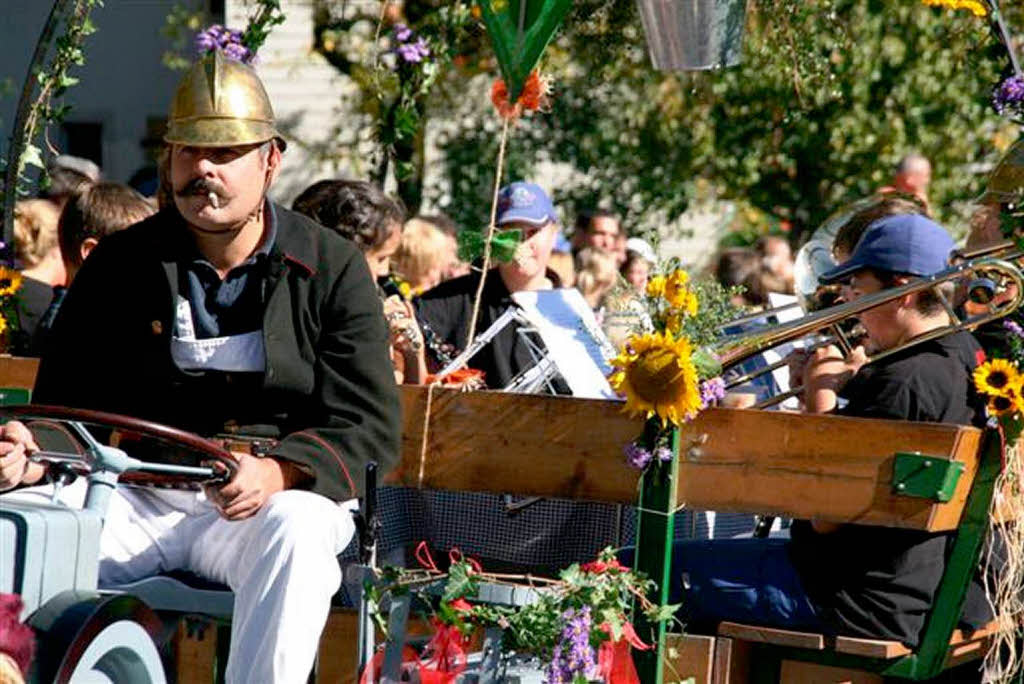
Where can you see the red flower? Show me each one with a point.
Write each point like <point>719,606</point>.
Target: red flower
<point>533,98</point>
<point>461,605</point>
<point>598,566</point>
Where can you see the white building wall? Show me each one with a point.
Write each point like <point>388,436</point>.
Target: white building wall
<point>308,96</point>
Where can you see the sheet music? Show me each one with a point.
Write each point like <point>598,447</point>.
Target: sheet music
<point>575,342</point>
<point>781,375</point>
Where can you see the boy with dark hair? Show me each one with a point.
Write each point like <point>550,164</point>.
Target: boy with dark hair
<point>92,214</point>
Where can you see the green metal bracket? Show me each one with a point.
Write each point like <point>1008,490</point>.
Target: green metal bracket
<point>655,533</point>
<point>14,396</point>
<point>927,477</point>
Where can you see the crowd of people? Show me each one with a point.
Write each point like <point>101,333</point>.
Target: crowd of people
<point>211,308</point>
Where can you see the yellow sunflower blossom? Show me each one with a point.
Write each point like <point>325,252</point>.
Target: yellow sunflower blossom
<point>656,286</point>
<point>996,377</point>
<point>10,281</point>
<point>1000,406</point>
<point>976,7</point>
<point>657,375</point>
<point>3,325</point>
<point>678,295</point>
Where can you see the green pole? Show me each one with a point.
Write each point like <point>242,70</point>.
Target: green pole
<point>655,532</point>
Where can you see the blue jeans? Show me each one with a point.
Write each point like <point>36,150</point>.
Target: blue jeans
<point>751,581</point>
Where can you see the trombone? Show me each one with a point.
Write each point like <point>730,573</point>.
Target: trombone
<point>735,349</point>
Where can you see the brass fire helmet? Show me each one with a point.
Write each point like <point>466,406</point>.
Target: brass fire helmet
<point>1006,183</point>
<point>221,103</point>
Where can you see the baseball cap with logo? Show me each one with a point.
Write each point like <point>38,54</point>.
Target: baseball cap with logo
<point>908,243</point>
<point>526,203</point>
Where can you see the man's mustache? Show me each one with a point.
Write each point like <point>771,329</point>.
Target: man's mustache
<point>200,186</point>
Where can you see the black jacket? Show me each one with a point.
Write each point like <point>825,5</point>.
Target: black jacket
<point>328,391</point>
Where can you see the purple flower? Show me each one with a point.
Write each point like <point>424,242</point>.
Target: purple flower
<point>1014,327</point>
<point>228,41</point>
<point>711,391</point>
<point>1008,97</point>
<point>573,655</point>
<point>636,455</point>
<point>413,53</point>
<point>402,33</point>
<point>237,52</point>
<point>663,454</point>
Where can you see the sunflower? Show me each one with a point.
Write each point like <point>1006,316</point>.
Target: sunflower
<point>976,7</point>
<point>658,377</point>
<point>996,377</point>
<point>678,295</point>
<point>3,325</point>
<point>1001,406</point>
<point>10,281</point>
<point>656,286</point>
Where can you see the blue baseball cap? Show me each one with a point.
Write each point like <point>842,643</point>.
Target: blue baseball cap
<point>907,243</point>
<point>525,202</point>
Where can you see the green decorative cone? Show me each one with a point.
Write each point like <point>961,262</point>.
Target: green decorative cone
<point>518,51</point>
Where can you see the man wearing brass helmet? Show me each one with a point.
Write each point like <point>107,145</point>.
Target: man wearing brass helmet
<point>227,313</point>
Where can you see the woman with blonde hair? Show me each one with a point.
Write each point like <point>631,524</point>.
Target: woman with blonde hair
<point>596,272</point>
<point>423,256</point>
<point>37,250</point>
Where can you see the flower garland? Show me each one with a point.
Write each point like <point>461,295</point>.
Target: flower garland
<point>664,370</point>
<point>579,625</point>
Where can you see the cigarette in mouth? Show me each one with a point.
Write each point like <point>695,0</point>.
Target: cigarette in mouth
<point>214,200</point>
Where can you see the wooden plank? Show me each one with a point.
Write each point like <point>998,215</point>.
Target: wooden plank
<point>689,655</point>
<point>830,467</point>
<point>337,659</point>
<point>530,445</point>
<point>967,647</point>
<point>732,661</point>
<point>871,648</point>
<point>778,637</point>
<point>18,371</point>
<point>195,653</point>
<point>795,672</point>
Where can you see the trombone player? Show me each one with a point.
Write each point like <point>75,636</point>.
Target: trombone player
<point>856,580</point>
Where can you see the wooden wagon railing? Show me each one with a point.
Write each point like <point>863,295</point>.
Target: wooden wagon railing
<point>873,472</point>
<point>926,477</point>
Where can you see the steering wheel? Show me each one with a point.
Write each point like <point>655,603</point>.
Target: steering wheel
<point>157,455</point>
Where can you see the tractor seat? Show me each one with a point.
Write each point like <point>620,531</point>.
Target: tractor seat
<point>181,591</point>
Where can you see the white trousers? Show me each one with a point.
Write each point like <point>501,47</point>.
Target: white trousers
<point>281,564</point>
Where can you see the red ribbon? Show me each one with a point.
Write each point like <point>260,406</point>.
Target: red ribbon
<point>614,660</point>
<point>372,672</point>
<point>446,655</point>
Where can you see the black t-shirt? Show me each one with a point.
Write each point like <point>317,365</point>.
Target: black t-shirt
<point>447,308</point>
<point>879,582</point>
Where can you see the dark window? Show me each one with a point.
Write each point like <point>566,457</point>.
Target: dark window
<point>83,139</point>
<point>217,10</point>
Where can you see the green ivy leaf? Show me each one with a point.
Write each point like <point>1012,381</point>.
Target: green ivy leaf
<point>32,156</point>
<point>663,613</point>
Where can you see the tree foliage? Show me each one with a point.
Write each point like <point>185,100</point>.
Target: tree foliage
<point>829,96</point>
